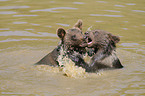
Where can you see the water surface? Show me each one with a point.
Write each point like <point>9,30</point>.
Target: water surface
<point>28,32</point>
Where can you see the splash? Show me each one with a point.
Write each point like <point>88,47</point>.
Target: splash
<point>46,68</point>
<point>69,68</point>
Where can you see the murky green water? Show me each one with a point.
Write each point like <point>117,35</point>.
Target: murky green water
<point>28,32</point>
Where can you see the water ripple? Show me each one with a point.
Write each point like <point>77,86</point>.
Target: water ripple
<point>24,15</point>
<point>4,28</point>
<point>62,24</point>
<point>138,10</point>
<point>99,21</point>
<point>130,4</point>
<point>106,15</point>
<point>52,9</point>
<point>129,44</point>
<point>119,5</point>
<point>101,1</point>
<point>125,28</point>
<point>26,33</point>
<point>20,22</point>
<point>23,39</point>
<point>112,11</point>
<point>4,0</point>
<point>13,7</point>
<point>78,3</point>
<point>7,12</point>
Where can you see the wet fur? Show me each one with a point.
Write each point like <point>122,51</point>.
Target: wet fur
<point>72,41</point>
<point>101,49</point>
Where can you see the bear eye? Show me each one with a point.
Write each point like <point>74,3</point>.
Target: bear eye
<point>74,37</point>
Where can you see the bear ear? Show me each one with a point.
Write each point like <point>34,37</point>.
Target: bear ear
<point>61,33</point>
<point>116,39</point>
<point>79,24</point>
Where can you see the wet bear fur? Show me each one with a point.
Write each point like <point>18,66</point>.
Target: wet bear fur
<point>72,42</point>
<point>102,50</point>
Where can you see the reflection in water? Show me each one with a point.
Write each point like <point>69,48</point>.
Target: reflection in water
<point>26,33</point>
<point>13,7</point>
<point>119,5</point>
<point>24,15</point>
<point>138,11</point>
<point>106,15</point>
<point>129,44</point>
<point>52,9</point>
<point>112,11</point>
<point>20,22</point>
<point>78,3</point>
<point>62,24</point>
<point>7,12</point>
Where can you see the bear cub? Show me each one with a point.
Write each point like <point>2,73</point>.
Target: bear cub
<point>72,42</point>
<point>102,50</point>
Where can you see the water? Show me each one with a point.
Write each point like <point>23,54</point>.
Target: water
<point>28,32</point>
<point>51,9</point>
<point>106,15</point>
<point>7,12</point>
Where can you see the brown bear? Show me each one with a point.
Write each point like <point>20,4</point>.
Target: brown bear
<point>72,42</point>
<point>102,50</point>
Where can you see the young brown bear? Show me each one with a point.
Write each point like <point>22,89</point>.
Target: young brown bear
<point>72,41</point>
<point>102,50</point>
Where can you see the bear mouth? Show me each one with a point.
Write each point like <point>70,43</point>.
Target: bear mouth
<point>89,41</point>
